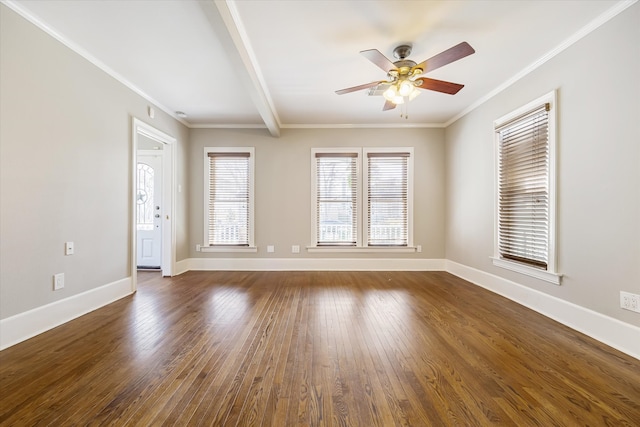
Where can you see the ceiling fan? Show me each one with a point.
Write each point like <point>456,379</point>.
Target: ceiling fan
<point>404,76</point>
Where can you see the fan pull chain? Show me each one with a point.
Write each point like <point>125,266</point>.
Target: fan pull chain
<point>404,111</point>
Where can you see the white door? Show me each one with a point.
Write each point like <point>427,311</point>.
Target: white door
<point>149,210</point>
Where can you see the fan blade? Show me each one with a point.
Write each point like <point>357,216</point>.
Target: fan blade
<point>379,59</point>
<point>379,90</point>
<point>439,85</point>
<point>448,56</point>
<point>356,88</point>
<point>388,105</point>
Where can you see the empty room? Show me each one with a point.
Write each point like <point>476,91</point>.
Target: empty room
<point>322,213</point>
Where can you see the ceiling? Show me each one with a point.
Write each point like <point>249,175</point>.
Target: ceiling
<point>277,64</point>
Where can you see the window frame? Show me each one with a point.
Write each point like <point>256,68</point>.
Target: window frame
<point>550,274</point>
<point>314,195</point>
<point>205,247</point>
<point>362,195</point>
<point>365,190</point>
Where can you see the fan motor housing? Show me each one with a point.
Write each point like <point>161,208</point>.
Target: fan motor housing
<point>403,65</point>
<point>402,51</point>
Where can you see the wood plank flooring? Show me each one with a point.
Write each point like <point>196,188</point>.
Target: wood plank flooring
<point>314,349</point>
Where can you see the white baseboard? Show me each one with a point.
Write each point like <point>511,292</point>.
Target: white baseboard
<point>612,332</point>
<point>617,334</point>
<point>30,323</point>
<point>181,267</point>
<point>313,264</point>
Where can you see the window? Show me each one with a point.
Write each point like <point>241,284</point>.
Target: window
<point>362,198</point>
<point>525,181</point>
<point>145,197</point>
<point>387,199</point>
<point>229,197</point>
<point>337,198</point>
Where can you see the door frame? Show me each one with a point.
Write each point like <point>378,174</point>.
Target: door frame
<point>168,198</point>
<point>159,154</point>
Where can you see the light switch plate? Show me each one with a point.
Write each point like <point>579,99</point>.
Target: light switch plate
<point>69,248</point>
<point>58,281</point>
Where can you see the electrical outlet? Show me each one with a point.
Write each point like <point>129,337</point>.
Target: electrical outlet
<point>295,249</point>
<point>58,281</point>
<point>271,248</point>
<point>630,301</point>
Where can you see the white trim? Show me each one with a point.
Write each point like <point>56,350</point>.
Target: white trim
<point>30,323</point>
<point>151,153</point>
<point>159,157</point>
<point>26,14</point>
<point>314,189</point>
<point>182,266</point>
<point>528,270</point>
<point>315,264</point>
<point>365,189</point>
<point>237,35</point>
<point>552,261</point>
<point>362,126</point>
<point>168,196</point>
<point>362,194</point>
<point>207,182</point>
<point>549,97</point>
<point>551,274</point>
<point>616,9</point>
<point>361,249</point>
<point>227,249</point>
<point>227,126</point>
<point>250,73</point>
<point>320,126</point>
<point>613,332</point>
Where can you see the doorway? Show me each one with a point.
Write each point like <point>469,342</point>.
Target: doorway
<point>149,208</point>
<point>153,206</point>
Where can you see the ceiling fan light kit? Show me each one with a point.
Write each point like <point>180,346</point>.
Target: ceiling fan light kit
<point>404,76</point>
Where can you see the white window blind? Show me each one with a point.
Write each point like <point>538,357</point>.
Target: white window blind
<point>523,186</point>
<point>387,199</point>
<point>229,197</point>
<point>336,198</point>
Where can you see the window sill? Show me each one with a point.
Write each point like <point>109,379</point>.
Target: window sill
<point>361,249</point>
<point>547,276</point>
<point>227,249</point>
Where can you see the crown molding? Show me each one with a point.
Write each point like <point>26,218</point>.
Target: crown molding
<point>321,126</point>
<point>364,126</point>
<point>587,29</point>
<point>226,126</point>
<point>26,14</point>
<point>233,23</point>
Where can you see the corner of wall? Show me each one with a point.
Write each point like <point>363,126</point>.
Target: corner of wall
<point>30,323</point>
<point>612,332</point>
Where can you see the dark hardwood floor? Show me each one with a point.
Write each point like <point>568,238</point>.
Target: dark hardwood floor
<point>316,348</point>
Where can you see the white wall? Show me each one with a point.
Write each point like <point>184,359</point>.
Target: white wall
<point>598,170</point>
<point>283,185</point>
<point>65,169</point>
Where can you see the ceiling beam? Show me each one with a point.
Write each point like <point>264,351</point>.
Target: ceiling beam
<point>224,19</point>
